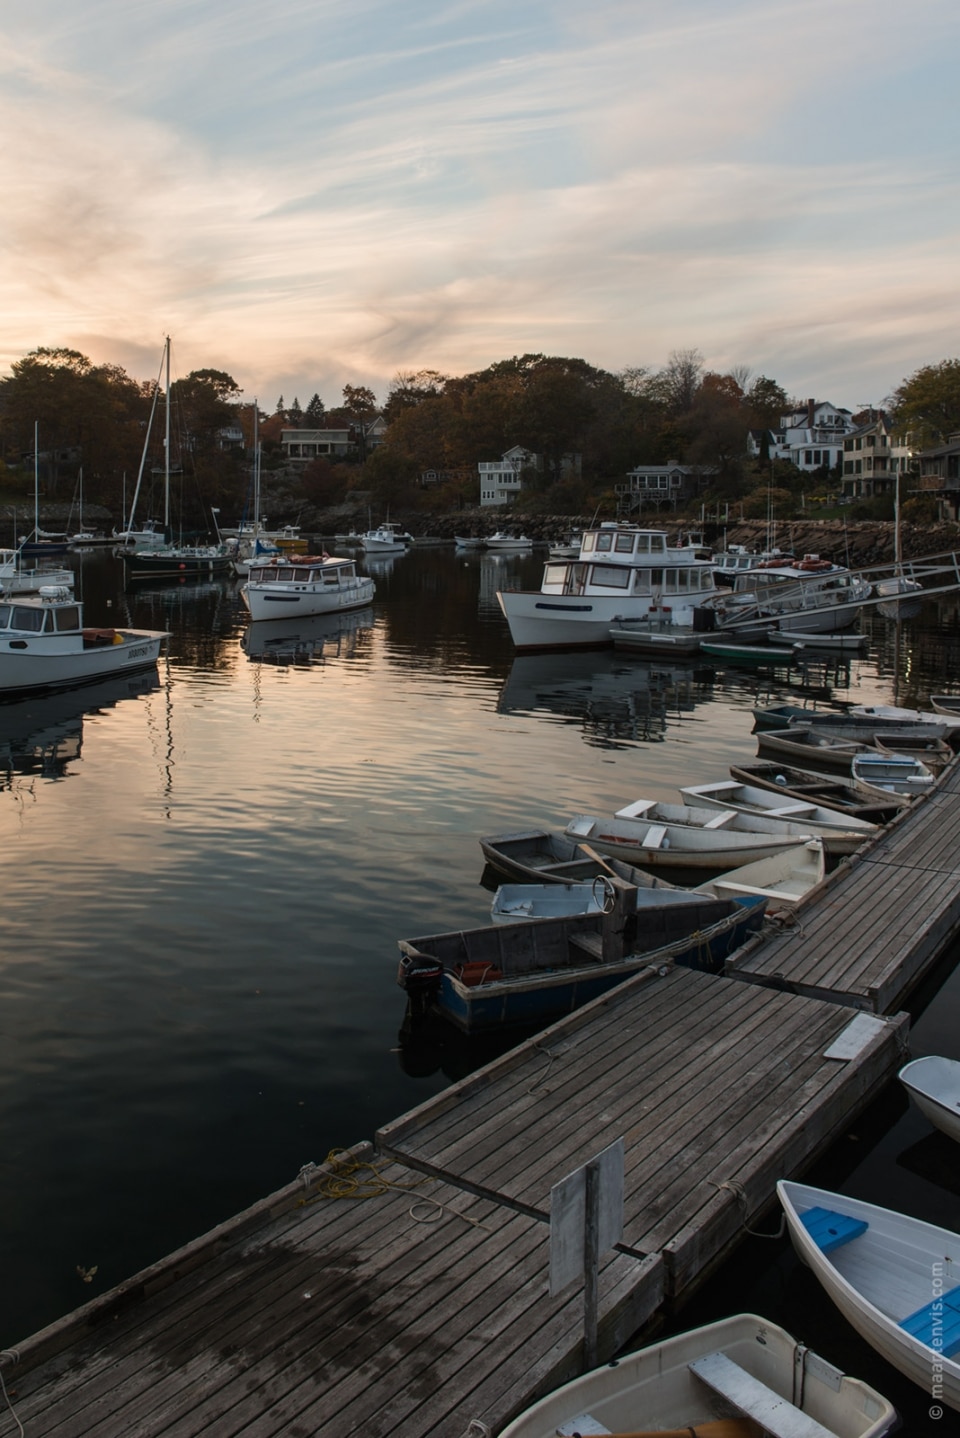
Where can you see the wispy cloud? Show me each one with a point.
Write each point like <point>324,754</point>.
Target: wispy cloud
<point>310,195</point>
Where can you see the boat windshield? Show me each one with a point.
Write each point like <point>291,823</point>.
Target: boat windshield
<point>27,618</point>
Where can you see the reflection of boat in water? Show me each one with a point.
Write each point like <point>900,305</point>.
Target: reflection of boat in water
<point>616,698</point>
<point>44,733</point>
<point>308,640</point>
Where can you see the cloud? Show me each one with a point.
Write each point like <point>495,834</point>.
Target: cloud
<point>308,196</point>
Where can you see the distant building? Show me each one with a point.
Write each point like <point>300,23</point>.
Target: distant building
<point>300,446</point>
<point>671,484</point>
<point>809,437</point>
<point>939,476</point>
<point>501,479</point>
<point>868,460</point>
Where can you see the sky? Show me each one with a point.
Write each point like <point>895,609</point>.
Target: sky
<point>315,193</point>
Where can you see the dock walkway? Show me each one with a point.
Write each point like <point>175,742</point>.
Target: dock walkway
<point>421,1310</point>
<point>881,920</point>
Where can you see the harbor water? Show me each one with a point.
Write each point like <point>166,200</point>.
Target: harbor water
<point>208,870</point>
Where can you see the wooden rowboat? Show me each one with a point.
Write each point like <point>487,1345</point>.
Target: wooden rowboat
<point>782,881</point>
<point>934,1085</point>
<point>675,836</point>
<point>895,1279</point>
<point>539,856</point>
<point>902,776</point>
<point>743,1366</point>
<point>830,791</point>
<point>753,799</point>
<point>947,704</point>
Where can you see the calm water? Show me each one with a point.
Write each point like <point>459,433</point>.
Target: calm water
<point>207,877</point>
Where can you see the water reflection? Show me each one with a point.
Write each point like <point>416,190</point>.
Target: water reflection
<point>44,734</point>
<point>309,640</point>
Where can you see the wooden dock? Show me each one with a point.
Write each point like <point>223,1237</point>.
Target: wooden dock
<point>881,921</point>
<point>416,1304</point>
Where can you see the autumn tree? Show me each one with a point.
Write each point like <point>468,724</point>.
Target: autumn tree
<point>315,414</point>
<point>929,401</point>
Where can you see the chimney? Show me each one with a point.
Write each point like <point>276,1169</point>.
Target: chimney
<point>811,406</point>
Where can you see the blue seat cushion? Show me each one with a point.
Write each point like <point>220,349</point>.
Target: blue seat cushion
<point>937,1323</point>
<point>830,1230</point>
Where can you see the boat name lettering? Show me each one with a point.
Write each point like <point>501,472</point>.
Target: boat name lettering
<point>138,652</point>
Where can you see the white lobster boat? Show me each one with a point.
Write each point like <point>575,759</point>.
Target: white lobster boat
<point>621,573</point>
<point>44,645</point>
<point>294,587</point>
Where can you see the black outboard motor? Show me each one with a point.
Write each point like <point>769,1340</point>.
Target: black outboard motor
<point>420,975</point>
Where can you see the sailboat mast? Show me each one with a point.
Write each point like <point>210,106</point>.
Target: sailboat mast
<point>36,479</point>
<point>166,444</point>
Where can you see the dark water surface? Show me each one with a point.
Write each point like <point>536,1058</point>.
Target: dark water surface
<point>207,873</point>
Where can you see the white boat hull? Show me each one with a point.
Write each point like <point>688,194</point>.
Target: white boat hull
<point>934,1085</point>
<point>39,665</point>
<point>783,880</point>
<point>655,1388</point>
<point>653,843</point>
<point>894,1268</point>
<point>574,621</point>
<point>750,799</point>
<point>289,601</point>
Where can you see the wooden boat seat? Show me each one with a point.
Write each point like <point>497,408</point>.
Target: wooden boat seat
<point>937,1323</point>
<point>831,1230</point>
<point>636,810</point>
<point>783,811</point>
<point>589,946</point>
<point>586,1426</point>
<point>776,1415</point>
<point>654,836</point>
<point>720,819</point>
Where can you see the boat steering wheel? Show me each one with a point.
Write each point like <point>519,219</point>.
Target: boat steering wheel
<point>604,894</point>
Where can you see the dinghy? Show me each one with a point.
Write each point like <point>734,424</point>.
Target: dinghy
<point>674,836</point>
<point>946,704</point>
<point>783,880</point>
<point>532,972</point>
<point>900,775</point>
<point>743,1367</point>
<point>807,746</point>
<point>895,1279</point>
<point>752,799</point>
<point>828,791</point>
<point>515,903</point>
<point>934,1085</point>
<point>536,856</point>
<point>911,716</point>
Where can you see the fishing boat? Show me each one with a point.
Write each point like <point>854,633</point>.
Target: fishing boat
<point>753,799</point>
<point>385,539</point>
<point>17,578</point>
<point>804,784</point>
<point>674,836</point>
<point>44,644</point>
<point>503,540</point>
<point>743,1367</point>
<point>737,560</point>
<point>537,856</point>
<point>895,1279</point>
<point>934,1085</point>
<point>533,971</point>
<point>621,573</point>
<point>807,596</point>
<point>900,775</point>
<point>290,587</point>
<point>782,880</point>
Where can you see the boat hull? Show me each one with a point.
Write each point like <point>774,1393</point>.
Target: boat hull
<point>895,1267</point>
<point>280,601</point>
<point>934,1085</point>
<point>33,670</point>
<point>574,621</point>
<point>152,565</point>
<point>655,1387</point>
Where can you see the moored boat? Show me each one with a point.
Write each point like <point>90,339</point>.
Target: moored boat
<point>533,856</point>
<point>621,573</point>
<point>289,587</point>
<point>769,655</point>
<point>934,1085</point>
<point>782,880</point>
<point>502,539</point>
<point>829,791</point>
<point>946,704</point>
<point>743,1366</point>
<point>385,539</point>
<point>531,972</point>
<point>901,775</point>
<point>754,799</point>
<point>808,746</point>
<point>674,836</point>
<point>44,645</point>
<point>894,1278</point>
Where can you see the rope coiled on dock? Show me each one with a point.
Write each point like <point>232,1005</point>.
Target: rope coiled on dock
<point>14,1356</point>
<point>350,1177</point>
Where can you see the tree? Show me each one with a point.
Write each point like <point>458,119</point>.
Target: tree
<point>767,402</point>
<point>929,401</point>
<point>205,403</point>
<point>295,415</point>
<point>410,388</point>
<point>315,414</point>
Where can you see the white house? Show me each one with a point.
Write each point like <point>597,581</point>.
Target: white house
<point>500,479</point>
<point>809,437</point>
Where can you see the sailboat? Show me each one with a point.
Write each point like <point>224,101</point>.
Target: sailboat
<point>172,561</point>
<point>17,578</point>
<point>252,542</point>
<point>898,583</point>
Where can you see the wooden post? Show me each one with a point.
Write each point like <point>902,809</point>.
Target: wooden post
<point>586,1219</point>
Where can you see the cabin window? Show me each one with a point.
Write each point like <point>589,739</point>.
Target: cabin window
<point>612,576</point>
<point>30,619</point>
<point>589,541</point>
<point>554,573</point>
<point>67,619</point>
<point>625,543</point>
<point>656,577</point>
<point>5,612</point>
<point>300,575</point>
<point>643,544</point>
<point>658,543</point>
<point>604,542</point>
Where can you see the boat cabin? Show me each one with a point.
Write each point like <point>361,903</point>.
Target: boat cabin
<point>311,569</point>
<point>621,559</point>
<point>52,611</point>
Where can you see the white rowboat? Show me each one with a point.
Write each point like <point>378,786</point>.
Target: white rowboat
<point>743,1366</point>
<point>752,799</point>
<point>894,1278</point>
<point>782,880</point>
<point>934,1085</point>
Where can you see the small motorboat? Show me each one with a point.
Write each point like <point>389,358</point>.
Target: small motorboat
<point>744,1367</point>
<point>895,1279</point>
<point>901,775</point>
<point>934,1085</point>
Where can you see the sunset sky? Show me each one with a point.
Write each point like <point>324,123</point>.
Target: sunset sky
<point>311,193</point>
